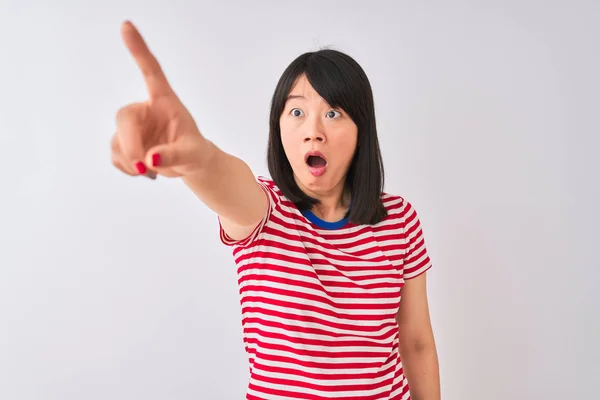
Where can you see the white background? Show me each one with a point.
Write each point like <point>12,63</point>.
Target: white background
<point>118,287</point>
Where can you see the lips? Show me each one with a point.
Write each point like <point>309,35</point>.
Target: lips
<point>316,161</point>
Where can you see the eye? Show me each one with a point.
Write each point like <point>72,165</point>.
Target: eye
<point>333,114</point>
<point>296,112</point>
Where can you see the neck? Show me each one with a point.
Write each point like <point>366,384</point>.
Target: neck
<point>333,204</point>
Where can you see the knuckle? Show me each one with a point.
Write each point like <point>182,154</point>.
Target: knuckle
<point>116,161</point>
<point>127,114</point>
<point>120,114</point>
<point>114,144</point>
<point>118,151</point>
<point>117,164</point>
<point>123,111</point>
<point>129,153</point>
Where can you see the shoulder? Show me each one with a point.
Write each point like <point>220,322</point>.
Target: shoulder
<point>263,180</point>
<point>398,208</point>
<point>278,201</point>
<point>404,222</point>
<point>268,184</point>
<point>270,187</point>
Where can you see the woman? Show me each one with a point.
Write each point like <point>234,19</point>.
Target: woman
<point>323,254</point>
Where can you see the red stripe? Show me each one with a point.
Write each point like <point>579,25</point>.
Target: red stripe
<point>310,331</point>
<point>324,311</point>
<point>318,342</point>
<point>330,388</point>
<point>302,259</point>
<point>307,296</point>
<point>263,268</point>
<point>358,366</point>
<point>325,377</point>
<point>314,320</point>
<point>332,355</point>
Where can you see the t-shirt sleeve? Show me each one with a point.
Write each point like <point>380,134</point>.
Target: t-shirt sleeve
<point>416,258</point>
<point>273,199</point>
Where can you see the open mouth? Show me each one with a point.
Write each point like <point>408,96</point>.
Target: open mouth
<point>316,162</point>
<point>315,159</point>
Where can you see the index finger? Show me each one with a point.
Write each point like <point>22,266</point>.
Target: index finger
<point>156,81</point>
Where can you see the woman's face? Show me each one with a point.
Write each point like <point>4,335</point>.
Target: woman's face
<point>319,141</point>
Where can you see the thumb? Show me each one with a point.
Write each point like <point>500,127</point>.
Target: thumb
<point>176,158</point>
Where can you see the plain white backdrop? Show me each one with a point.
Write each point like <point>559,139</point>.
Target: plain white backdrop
<point>118,287</point>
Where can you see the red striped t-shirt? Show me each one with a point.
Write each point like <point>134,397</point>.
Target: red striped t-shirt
<point>319,301</point>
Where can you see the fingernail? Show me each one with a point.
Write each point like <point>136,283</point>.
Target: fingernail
<point>155,160</point>
<point>141,168</point>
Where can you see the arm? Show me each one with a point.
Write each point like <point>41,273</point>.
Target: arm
<point>417,346</point>
<point>228,187</point>
<point>163,133</point>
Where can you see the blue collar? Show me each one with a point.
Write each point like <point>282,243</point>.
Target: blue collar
<point>324,224</point>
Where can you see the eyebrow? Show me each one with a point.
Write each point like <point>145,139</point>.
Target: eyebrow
<point>293,96</point>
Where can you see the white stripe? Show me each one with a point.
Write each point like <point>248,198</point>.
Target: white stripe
<point>352,380</point>
<point>382,332</point>
<point>417,261</point>
<point>377,269</point>
<point>306,313</point>
<point>329,395</point>
<point>323,360</point>
<point>356,285</point>
<point>330,371</point>
<point>324,306</point>
<point>334,349</point>
<point>410,225</point>
<point>391,300</point>
<point>308,336</point>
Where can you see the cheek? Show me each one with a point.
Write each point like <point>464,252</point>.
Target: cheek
<point>349,151</point>
<point>290,145</point>
<point>346,142</point>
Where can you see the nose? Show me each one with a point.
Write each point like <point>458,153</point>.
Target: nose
<point>314,131</point>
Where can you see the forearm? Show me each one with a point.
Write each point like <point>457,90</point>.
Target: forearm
<point>227,186</point>
<point>421,369</point>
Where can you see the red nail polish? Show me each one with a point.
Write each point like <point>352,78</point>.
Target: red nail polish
<point>141,167</point>
<point>155,160</point>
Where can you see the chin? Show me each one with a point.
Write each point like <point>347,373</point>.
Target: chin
<point>314,183</point>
